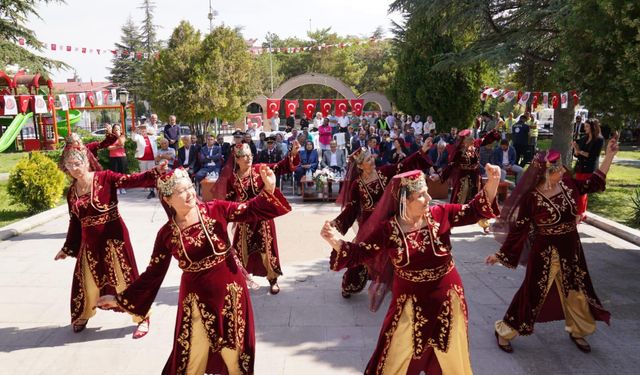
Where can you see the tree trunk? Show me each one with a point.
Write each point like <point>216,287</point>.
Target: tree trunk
<point>563,132</point>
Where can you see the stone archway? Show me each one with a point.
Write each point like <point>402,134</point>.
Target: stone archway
<point>325,80</point>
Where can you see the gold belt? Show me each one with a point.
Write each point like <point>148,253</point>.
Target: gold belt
<point>429,274</point>
<point>556,229</point>
<point>91,221</point>
<point>203,264</point>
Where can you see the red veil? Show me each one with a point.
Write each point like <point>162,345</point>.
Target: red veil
<point>350,178</point>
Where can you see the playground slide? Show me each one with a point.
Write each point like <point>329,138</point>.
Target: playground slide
<point>10,134</point>
<point>74,117</point>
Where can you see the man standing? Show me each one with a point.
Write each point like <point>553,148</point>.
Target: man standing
<point>210,158</point>
<point>578,130</point>
<point>509,122</point>
<point>304,122</point>
<point>521,139</point>
<point>172,132</point>
<point>333,122</point>
<point>533,134</point>
<point>343,122</point>
<point>290,123</point>
<point>146,150</point>
<point>153,121</point>
<point>391,121</point>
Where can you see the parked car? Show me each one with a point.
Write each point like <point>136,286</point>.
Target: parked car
<point>99,133</point>
<point>185,130</point>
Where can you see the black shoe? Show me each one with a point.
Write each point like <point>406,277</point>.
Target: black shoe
<point>585,348</point>
<point>152,194</point>
<point>507,348</point>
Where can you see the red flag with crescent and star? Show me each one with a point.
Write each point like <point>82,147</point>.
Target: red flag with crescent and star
<point>91,98</point>
<point>356,106</point>
<point>555,100</point>
<point>309,107</point>
<point>325,106</point>
<point>341,107</point>
<point>23,103</point>
<point>290,106</point>
<point>273,107</point>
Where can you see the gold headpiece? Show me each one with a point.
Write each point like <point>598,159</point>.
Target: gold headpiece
<point>414,182</point>
<point>360,155</point>
<point>167,183</point>
<point>242,150</point>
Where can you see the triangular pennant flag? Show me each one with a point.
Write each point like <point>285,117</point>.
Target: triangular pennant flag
<point>23,103</point>
<point>39,104</point>
<point>21,41</point>
<point>10,105</point>
<point>534,102</point>
<point>64,102</point>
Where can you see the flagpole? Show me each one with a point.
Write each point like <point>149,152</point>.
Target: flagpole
<point>271,65</point>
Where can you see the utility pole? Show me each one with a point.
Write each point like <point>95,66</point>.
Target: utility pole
<point>309,24</point>
<point>210,16</point>
<point>271,65</point>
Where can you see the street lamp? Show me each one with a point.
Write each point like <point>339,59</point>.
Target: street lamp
<point>123,96</point>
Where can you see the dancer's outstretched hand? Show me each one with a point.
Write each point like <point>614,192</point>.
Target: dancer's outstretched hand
<point>163,167</point>
<point>269,178</point>
<point>493,171</point>
<point>330,234</point>
<point>491,260</point>
<point>61,255</point>
<point>107,301</point>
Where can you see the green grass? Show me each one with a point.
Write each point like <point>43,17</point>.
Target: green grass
<point>9,212</point>
<point>615,203</point>
<point>633,155</point>
<point>9,160</point>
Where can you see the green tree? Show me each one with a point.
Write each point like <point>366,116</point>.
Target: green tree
<point>13,16</point>
<point>449,94</point>
<point>148,30</point>
<point>127,69</point>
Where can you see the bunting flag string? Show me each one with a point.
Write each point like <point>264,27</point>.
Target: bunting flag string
<point>340,106</point>
<point>534,98</point>
<point>261,50</point>
<point>12,104</point>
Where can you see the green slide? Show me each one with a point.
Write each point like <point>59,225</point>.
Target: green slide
<point>74,117</point>
<point>10,134</point>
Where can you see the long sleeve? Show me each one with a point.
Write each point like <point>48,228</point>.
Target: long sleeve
<point>594,184</point>
<point>286,165</point>
<point>509,253</point>
<point>135,180</point>
<point>490,137</point>
<point>456,215</point>
<point>417,160</point>
<point>349,213</point>
<point>264,206</point>
<point>353,254</point>
<point>139,296</point>
<point>71,245</point>
<point>108,140</point>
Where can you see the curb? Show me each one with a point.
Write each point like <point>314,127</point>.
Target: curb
<point>626,233</point>
<point>31,222</point>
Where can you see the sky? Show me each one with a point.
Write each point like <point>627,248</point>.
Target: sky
<point>96,24</point>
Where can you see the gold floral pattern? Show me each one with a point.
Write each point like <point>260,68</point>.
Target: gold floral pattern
<point>100,219</point>
<point>425,275</point>
<point>233,315</point>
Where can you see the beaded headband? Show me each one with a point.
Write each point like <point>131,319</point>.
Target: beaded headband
<point>242,150</point>
<point>166,185</point>
<point>360,155</point>
<point>414,183</point>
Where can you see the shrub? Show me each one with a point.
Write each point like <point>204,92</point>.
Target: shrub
<point>103,154</point>
<point>36,182</point>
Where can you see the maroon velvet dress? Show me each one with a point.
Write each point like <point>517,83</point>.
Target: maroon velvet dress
<point>98,236</point>
<point>256,239</point>
<point>464,169</point>
<point>363,200</point>
<point>212,281</point>
<point>552,224</point>
<point>424,275</point>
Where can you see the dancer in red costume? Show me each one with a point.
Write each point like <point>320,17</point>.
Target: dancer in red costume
<point>361,190</point>
<point>97,236</point>
<point>541,215</point>
<point>214,327</point>
<point>425,328</point>
<point>255,242</point>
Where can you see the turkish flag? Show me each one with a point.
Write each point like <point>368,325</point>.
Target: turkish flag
<point>72,101</point>
<point>91,98</point>
<point>309,107</point>
<point>273,107</point>
<point>290,106</point>
<point>534,103</point>
<point>356,106</point>
<point>555,100</point>
<point>51,102</point>
<point>325,106</point>
<point>485,93</point>
<point>574,96</point>
<point>23,103</point>
<point>341,107</point>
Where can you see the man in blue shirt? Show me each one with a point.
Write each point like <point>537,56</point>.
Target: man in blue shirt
<point>520,139</point>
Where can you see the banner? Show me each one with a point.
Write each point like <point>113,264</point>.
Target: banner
<point>574,96</point>
<point>534,102</point>
<point>325,106</point>
<point>309,107</point>
<point>72,101</point>
<point>10,105</point>
<point>91,98</point>
<point>23,103</point>
<point>555,100</point>
<point>356,106</point>
<point>99,98</point>
<point>545,99</point>
<point>83,98</point>
<point>509,96</point>
<point>485,93</point>
<point>341,107</point>
<point>39,104</point>
<point>290,106</point>
<point>273,107</point>
<point>64,103</point>
<point>51,103</point>
<point>114,96</point>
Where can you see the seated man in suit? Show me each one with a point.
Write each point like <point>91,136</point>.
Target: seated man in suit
<point>505,157</point>
<point>225,146</point>
<point>333,158</point>
<point>439,156</point>
<point>270,154</point>
<point>359,141</point>
<point>187,155</point>
<point>210,158</point>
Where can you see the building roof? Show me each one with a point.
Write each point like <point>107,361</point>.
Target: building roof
<point>71,87</point>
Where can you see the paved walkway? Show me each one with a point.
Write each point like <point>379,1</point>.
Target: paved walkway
<point>308,328</point>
